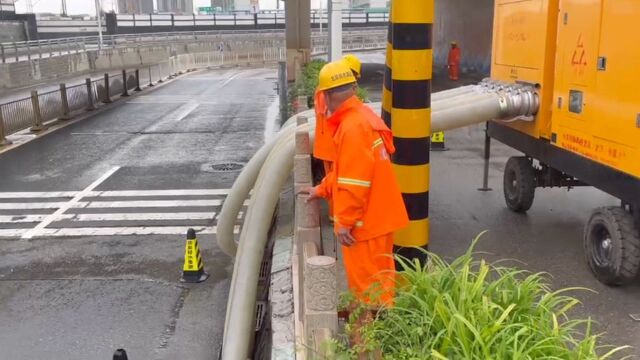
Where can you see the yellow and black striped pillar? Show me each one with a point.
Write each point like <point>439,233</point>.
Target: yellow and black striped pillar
<point>387,83</point>
<point>411,65</point>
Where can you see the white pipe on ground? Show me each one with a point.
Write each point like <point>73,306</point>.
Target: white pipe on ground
<point>463,99</point>
<point>460,115</point>
<point>276,169</point>
<point>240,322</point>
<point>242,188</point>
<point>451,92</point>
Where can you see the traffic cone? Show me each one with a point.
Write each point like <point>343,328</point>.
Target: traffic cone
<point>193,269</point>
<point>120,354</point>
<point>437,142</point>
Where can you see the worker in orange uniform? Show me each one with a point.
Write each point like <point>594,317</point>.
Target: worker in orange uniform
<point>323,147</point>
<point>368,205</point>
<point>453,63</point>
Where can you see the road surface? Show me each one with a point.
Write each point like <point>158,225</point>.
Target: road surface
<point>93,220</point>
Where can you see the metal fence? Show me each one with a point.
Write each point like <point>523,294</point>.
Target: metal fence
<point>36,111</point>
<point>39,49</point>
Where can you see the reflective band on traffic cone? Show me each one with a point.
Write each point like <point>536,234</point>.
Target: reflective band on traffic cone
<point>193,269</point>
<point>437,142</point>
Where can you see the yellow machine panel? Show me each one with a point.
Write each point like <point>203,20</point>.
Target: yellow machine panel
<point>524,49</point>
<point>597,104</point>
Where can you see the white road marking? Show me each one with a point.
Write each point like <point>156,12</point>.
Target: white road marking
<point>39,205</point>
<point>195,192</point>
<point>70,194</point>
<point>37,195</point>
<point>51,218</point>
<point>115,231</point>
<point>141,216</point>
<point>186,109</point>
<point>230,79</point>
<point>111,217</point>
<point>119,201</point>
<point>152,203</point>
<point>142,230</point>
<point>12,232</point>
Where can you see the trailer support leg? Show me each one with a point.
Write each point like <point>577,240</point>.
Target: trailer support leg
<point>487,157</point>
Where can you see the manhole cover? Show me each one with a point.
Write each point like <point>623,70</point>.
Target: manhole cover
<point>223,167</point>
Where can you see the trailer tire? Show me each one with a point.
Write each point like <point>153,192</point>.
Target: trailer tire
<point>612,246</point>
<point>519,183</point>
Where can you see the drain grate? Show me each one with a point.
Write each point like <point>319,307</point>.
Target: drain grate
<point>261,313</point>
<point>229,166</point>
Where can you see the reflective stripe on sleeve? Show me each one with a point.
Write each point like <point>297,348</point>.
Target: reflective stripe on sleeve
<point>356,182</point>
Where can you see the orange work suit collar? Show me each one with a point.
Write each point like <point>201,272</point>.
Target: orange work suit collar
<point>336,118</point>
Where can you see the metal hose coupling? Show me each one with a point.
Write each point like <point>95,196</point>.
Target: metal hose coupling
<point>516,101</point>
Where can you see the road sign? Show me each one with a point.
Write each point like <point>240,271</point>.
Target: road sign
<point>205,10</point>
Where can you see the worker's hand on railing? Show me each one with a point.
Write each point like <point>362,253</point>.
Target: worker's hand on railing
<point>312,191</point>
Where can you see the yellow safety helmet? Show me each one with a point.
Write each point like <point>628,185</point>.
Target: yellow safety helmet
<point>335,74</point>
<point>354,64</point>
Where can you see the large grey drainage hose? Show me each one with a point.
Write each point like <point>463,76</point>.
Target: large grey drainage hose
<point>240,324</point>
<point>242,188</point>
<point>268,171</point>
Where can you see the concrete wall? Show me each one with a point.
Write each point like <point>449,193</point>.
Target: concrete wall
<point>12,31</point>
<point>470,23</point>
<point>26,73</point>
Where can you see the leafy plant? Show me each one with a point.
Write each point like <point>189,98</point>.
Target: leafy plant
<point>308,83</point>
<point>469,309</point>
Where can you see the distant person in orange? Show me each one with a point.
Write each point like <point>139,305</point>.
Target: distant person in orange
<point>453,63</point>
<point>323,147</point>
<point>368,206</point>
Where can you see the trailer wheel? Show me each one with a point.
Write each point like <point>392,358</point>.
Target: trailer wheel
<point>612,246</point>
<point>519,183</point>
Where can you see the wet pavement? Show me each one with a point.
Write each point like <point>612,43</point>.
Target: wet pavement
<point>93,219</point>
<point>546,239</point>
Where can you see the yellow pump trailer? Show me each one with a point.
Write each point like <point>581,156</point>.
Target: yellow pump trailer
<point>583,57</point>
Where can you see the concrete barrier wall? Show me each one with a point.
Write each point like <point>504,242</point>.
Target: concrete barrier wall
<point>11,31</point>
<point>470,23</point>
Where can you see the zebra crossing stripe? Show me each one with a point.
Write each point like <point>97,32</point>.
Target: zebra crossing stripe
<point>121,193</point>
<point>111,217</point>
<point>112,231</point>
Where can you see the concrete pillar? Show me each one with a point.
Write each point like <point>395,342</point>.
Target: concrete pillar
<point>335,29</point>
<point>320,295</point>
<point>64,102</point>
<point>37,115</point>
<point>298,36</point>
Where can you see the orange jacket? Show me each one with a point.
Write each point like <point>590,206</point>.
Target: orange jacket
<point>362,184</point>
<point>454,56</point>
<point>323,147</point>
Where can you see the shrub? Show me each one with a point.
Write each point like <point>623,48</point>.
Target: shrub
<point>470,309</point>
<point>308,83</point>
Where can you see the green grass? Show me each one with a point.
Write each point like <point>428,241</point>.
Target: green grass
<point>470,309</point>
<point>308,83</point>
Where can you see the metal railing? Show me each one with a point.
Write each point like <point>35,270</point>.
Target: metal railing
<point>36,111</point>
<point>38,49</point>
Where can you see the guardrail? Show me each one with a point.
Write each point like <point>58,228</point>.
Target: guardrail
<point>36,111</point>
<point>39,49</point>
<point>314,275</point>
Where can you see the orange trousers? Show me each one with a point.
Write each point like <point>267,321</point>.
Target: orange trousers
<point>370,270</point>
<point>454,72</point>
